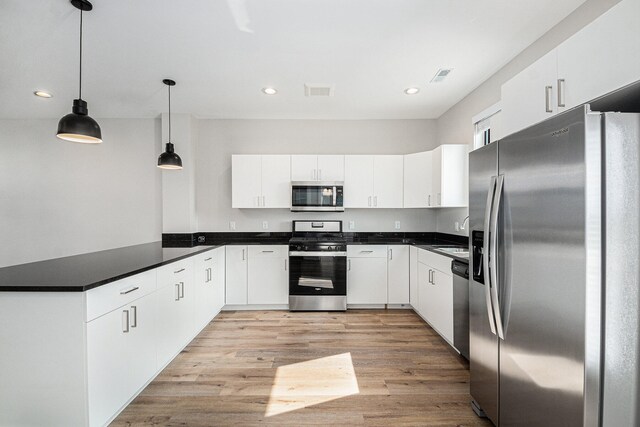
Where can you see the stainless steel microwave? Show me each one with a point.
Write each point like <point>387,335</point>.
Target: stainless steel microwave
<point>317,196</point>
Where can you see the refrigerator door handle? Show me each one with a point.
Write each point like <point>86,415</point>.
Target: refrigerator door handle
<point>493,255</point>
<point>485,253</point>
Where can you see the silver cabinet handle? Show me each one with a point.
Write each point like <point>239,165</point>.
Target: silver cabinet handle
<point>134,314</point>
<point>179,271</point>
<point>210,274</point>
<point>285,264</point>
<point>177,291</point>
<point>375,201</point>
<point>258,201</point>
<point>430,281</point>
<point>390,254</point>
<point>369,201</point>
<point>486,254</point>
<point>319,174</point>
<point>264,203</point>
<point>206,275</point>
<point>561,102</point>
<point>243,254</point>
<point>128,291</point>
<point>349,266</point>
<point>313,174</point>
<point>548,90</point>
<point>208,259</point>
<point>181,289</point>
<point>366,252</point>
<point>125,321</point>
<point>493,255</point>
<point>429,201</point>
<point>267,252</point>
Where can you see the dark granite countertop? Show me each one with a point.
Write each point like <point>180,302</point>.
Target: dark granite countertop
<point>80,273</point>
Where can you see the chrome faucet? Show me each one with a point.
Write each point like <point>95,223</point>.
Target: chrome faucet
<point>464,223</point>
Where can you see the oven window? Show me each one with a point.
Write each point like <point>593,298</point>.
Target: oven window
<point>317,275</point>
<point>302,195</point>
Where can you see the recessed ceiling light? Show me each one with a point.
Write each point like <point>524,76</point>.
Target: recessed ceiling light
<point>411,90</point>
<point>42,94</point>
<point>269,90</point>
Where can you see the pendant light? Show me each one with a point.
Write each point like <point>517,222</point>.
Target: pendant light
<point>78,126</point>
<point>169,159</point>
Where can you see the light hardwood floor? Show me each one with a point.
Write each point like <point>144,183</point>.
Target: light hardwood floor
<point>359,368</point>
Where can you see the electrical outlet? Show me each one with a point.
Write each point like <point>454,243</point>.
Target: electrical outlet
<point>397,225</point>
<point>352,225</point>
<point>456,226</point>
<point>232,225</point>
<point>265,225</point>
<point>201,239</point>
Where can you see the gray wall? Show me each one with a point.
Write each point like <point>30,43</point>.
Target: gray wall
<point>60,198</point>
<point>219,139</point>
<point>455,126</point>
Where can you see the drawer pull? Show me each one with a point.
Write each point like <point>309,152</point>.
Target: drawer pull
<point>128,291</point>
<point>366,252</point>
<point>125,321</point>
<point>178,271</point>
<point>208,259</point>
<point>181,289</point>
<point>177,291</point>
<point>267,252</point>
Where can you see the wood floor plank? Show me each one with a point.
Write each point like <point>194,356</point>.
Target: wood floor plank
<point>359,368</point>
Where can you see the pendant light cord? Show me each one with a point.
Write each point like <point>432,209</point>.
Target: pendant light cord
<point>169,112</point>
<point>80,80</point>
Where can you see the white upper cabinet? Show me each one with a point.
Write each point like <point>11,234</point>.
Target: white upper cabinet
<point>387,181</point>
<point>358,181</point>
<point>603,56</point>
<point>261,181</point>
<point>373,181</point>
<point>417,180</point>
<point>317,168</point>
<point>449,186</point>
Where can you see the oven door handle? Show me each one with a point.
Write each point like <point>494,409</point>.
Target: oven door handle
<point>318,253</point>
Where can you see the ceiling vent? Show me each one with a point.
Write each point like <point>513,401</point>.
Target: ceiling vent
<point>441,75</point>
<point>318,90</point>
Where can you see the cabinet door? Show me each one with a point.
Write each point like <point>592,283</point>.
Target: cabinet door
<point>425,292</point>
<point>246,181</point>
<point>442,318</point>
<point>524,96</point>
<point>267,275</point>
<point>236,275</point>
<point>358,181</point>
<point>413,277</point>
<point>331,168</point>
<point>203,288</point>
<point>454,176</point>
<point>107,370</point>
<point>304,167</point>
<point>417,180</point>
<point>603,56</point>
<point>167,320</point>
<point>435,197</point>
<point>218,277</point>
<point>366,281</point>
<point>398,275</point>
<point>141,349</point>
<point>388,181</point>
<point>276,181</point>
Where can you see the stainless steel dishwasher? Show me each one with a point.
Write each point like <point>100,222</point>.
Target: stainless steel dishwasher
<point>460,272</point>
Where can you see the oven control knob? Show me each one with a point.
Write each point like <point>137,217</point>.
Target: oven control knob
<point>330,248</point>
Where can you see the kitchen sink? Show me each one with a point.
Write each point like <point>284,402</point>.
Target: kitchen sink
<point>460,251</point>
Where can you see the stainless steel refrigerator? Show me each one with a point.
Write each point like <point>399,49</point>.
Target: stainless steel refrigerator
<point>554,302</point>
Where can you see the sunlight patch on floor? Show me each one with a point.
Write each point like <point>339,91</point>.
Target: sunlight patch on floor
<point>304,384</point>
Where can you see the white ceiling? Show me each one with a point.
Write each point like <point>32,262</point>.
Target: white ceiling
<point>222,52</point>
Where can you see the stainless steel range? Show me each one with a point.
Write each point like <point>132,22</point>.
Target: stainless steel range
<point>318,267</point>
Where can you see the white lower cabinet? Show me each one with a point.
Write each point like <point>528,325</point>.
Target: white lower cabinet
<point>268,276</point>
<point>236,275</point>
<point>435,295</point>
<point>413,277</point>
<point>367,274</point>
<point>209,285</point>
<point>176,303</point>
<point>398,274</point>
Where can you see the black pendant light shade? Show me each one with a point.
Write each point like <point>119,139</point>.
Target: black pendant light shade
<point>78,126</point>
<point>169,159</point>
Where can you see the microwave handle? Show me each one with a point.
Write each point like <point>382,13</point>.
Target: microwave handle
<point>335,195</point>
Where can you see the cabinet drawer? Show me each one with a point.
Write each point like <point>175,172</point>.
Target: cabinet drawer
<point>439,262</point>
<point>207,256</point>
<point>268,251</point>
<point>179,271</point>
<point>106,298</point>
<point>367,251</point>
